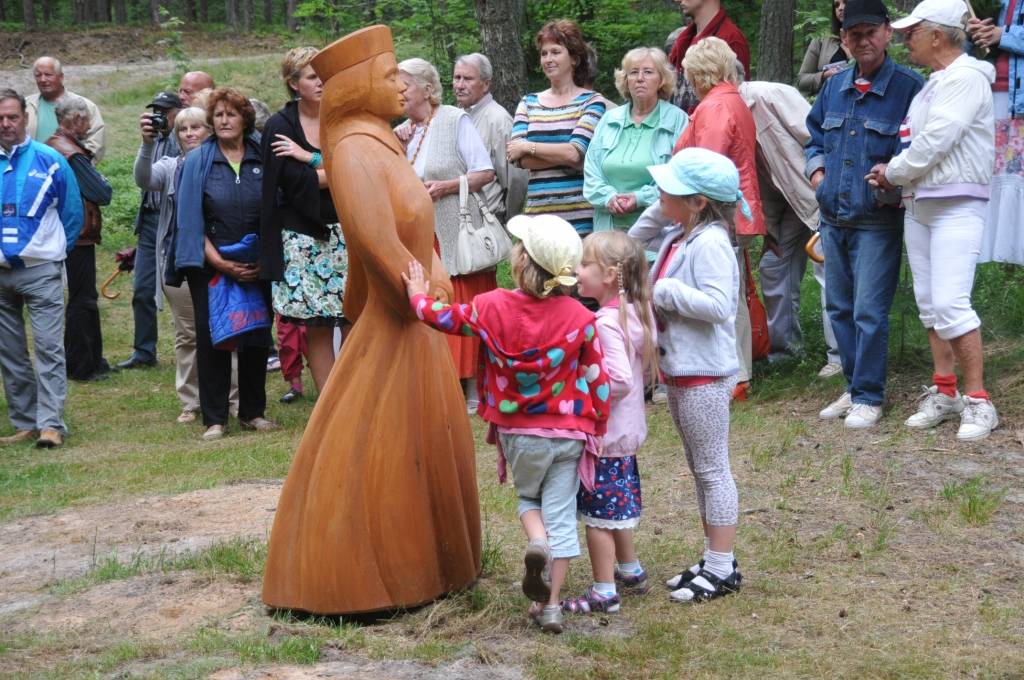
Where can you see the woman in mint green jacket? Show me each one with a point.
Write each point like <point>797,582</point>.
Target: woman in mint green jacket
<point>630,138</point>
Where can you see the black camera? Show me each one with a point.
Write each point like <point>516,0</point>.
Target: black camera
<point>158,121</point>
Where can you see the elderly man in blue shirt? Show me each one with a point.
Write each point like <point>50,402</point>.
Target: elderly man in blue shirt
<point>40,222</point>
<point>854,124</point>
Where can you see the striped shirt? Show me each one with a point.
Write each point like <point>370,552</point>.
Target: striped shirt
<point>559,190</point>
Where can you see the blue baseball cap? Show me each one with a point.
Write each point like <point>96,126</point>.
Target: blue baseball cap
<point>700,171</point>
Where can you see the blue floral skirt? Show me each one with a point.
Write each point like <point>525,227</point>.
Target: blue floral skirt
<point>615,502</point>
<point>314,279</point>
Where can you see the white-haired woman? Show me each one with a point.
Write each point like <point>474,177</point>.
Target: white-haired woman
<point>442,146</point>
<point>629,138</point>
<point>944,170</point>
<point>161,175</point>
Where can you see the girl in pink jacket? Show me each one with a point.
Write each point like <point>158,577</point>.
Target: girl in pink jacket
<point>614,271</point>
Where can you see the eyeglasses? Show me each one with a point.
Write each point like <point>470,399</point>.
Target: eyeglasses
<point>647,73</point>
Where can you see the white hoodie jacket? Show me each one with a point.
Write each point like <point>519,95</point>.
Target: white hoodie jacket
<point>951,131</point>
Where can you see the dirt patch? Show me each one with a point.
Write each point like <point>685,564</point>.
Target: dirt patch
<point>463,669</point>
<point>127,44</point>
<point>35,551</point>
<point>153,606</point>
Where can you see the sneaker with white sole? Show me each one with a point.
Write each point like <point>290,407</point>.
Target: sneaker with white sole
<point>935,408</point>
<point>838,408</point>
<point>862,416</point>
<point>830,369</point>
<point>977,420</point>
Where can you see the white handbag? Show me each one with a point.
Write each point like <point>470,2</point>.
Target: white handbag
<point>483,247</point>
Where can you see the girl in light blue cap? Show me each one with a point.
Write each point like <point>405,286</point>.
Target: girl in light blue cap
<point>696,287</point>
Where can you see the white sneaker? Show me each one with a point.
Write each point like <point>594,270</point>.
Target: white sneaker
<point>830,369</point>
<point>660,395</point>
<point>935,408</point>
<point>862,416</point>
<point>838,408</point>
<point>977,420</point>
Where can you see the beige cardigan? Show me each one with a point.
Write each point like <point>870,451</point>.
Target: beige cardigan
<point>818,56</point>
<point>95,139</point>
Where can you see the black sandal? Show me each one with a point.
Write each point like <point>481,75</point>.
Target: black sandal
<point>720,587</point>
<point>687,575</point>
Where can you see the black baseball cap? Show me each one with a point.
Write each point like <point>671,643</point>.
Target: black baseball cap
<point>865,12</point>
<point>165,100</point>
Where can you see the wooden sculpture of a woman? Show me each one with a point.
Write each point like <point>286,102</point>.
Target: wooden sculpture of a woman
<point>380,508</point>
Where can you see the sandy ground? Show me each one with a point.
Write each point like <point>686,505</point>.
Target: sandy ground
<point>36,551</point>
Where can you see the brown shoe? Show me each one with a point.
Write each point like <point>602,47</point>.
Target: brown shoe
<point>19,436</point>
<point>49,439</point>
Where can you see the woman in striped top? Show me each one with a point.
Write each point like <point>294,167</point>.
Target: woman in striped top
<point>552,129</point>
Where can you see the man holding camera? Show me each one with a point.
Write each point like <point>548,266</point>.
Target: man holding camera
<point>165,106</point>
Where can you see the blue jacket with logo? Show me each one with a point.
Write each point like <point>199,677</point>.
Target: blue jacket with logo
<point>42,206</point>
<point>851,133</point>
<point>1012,41</point>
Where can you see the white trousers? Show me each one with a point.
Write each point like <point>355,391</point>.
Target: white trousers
<point>943,237</point>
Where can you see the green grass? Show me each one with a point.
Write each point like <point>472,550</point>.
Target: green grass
<point>974,500</point>
<point>241,558</point>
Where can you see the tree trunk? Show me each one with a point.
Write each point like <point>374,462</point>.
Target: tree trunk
<point>189,9</point>
<point>501,23</point>
<point>120,12</point>
<point>204,11</point>
<point>47,11</point>
<point>246,15</point>
<point>268,12</point>
<point>289,14</point>
<point>28,9</point>
<point>775,49</point>
<point>231,10</point>
<point>3,10</point>
<point>154,12</point>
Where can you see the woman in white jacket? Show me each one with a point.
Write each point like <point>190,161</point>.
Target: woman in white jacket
<point>944,169</point>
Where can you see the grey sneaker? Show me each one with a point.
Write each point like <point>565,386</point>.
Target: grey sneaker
<point>935,408</point>
<point>537,580</point>
<point>551,618</point>
<point>830,369</point>
<point>660,394</point>
<point>977,420</point>
<point>839,408</point>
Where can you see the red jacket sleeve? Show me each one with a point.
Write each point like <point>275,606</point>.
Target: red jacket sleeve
<point>452,319</point>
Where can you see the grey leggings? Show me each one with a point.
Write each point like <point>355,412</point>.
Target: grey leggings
<point>701,415</point>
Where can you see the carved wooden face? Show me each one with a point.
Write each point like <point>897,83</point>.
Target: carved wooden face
<point>385,97</point>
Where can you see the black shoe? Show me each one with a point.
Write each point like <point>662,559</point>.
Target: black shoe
<point>291,396</point>
<point>686,575</point>
<point>95,377</point>
<point>133,362</point>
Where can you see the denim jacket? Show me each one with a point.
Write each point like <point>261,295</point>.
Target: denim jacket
<point>850,133</point>
<point>1012,41</point>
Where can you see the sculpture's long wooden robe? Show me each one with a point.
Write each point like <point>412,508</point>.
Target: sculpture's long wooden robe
<point>380,506</point>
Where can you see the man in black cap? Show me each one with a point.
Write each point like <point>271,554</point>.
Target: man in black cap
<point>855,124</point>
<point>165,106</point>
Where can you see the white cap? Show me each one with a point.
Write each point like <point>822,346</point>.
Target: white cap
<point>552,243</point>
<point>942,12</point>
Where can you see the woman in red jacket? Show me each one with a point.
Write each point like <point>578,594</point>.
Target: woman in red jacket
<point>724,124</point>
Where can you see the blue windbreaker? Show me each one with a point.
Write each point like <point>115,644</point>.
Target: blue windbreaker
<point>42,207</point>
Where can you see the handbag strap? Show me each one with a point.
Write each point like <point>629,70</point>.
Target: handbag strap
<point>463,196</point>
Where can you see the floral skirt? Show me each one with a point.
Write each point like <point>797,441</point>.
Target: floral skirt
<point>1003,240</point>
<point>616,501</point>
<point>314,279</point>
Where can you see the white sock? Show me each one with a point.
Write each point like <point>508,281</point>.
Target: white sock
<point>604,589</point>
<point>718,563</point>
<point>630,568</point>
<point>707,544</point>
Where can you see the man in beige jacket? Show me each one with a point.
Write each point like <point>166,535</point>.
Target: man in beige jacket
<point>790,212</point>
<point>42,119</point>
